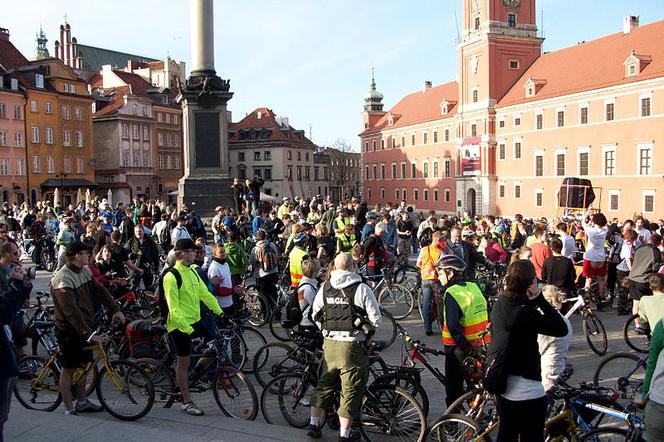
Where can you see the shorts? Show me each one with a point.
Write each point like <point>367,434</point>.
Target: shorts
<point>638,290</point>
<point>182,341</point>
<point>19,331</point>
<point>589,271</point>
<point>71,346</point>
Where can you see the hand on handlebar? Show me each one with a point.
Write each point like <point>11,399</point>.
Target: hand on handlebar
<point>119,317</point>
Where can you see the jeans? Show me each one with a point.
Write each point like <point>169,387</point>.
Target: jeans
<point>428,288</point>
<point>6,388</point>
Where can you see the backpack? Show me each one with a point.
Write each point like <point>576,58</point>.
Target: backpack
<point>161,299</point>
<point>293,311</point>
<point>267,259</point>
<point>165,236</point>
<point>426,237</point>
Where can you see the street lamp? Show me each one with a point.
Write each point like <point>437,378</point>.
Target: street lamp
<point>61,176</point>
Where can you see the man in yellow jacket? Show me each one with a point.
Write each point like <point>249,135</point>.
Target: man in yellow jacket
<point>183,291</point>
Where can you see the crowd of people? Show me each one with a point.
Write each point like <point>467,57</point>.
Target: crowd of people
<point>323,245</point>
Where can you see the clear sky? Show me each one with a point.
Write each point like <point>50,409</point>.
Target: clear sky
<point>308,60</point>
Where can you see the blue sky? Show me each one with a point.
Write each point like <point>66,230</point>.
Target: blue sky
<point>309,60</point>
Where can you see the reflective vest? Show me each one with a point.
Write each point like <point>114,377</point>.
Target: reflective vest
<point>297,255</point>
<point>345,242</point>
<point>282,210</point>
<point>430,256</point>
<point>340,223</point>
<point>474,314</point>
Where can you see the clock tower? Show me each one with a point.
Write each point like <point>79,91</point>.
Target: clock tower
<point>499,42</point>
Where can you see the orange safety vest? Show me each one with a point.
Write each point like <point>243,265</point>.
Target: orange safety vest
<point>430,256</point>
<point>475,316</point>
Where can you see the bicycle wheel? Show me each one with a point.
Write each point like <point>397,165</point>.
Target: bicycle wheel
<point>410,385</point>
<point>125,391</point>
<point>390,412</point>
<point>257,305</point>
<point>36,385</point>
<point>605,434</point>
<point>162,381</point>
<point>397,300</point>
<point>272,360</point>
<point>622,372</point>
<point>477,405</point>
<point>639,342</point>
<point>233,349</point>
<point>595,334</point>
<point>286,399</point>
<point>234,394</point>
<point>387,331</point>
<point>253,340</point>
<point>277,330</point>
<point>453,427</point>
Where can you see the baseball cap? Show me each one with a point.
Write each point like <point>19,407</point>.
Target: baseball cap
<point>373,215</point>
<point>75,247</point>
<point>185,244</point>
<point>218,208</point>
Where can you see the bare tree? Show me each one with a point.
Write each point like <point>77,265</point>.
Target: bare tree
<point>341,168</point>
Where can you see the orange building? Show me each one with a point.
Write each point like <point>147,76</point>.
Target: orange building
<point>518,122</point>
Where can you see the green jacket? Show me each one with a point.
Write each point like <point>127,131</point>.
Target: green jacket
<point>236,258</point>
<point>184,307</point>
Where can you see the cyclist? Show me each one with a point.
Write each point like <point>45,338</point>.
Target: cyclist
<point>76,294</point>
<point>336,310</point>
<point>146,250</point>
<point>651,308</point>
<point>426,261</point>
<point>306,293</point>
<point>346,240</point>
<point>264,257</point>
<point>296,256</point>
<point>65,237</point>
<point>465,317</point>
<point>374,251</point>
<point>647,261</point>
<point>183,294</point>
<point>341,221</point>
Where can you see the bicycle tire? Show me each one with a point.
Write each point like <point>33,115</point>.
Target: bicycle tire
<point>392,412</point>
<point>258,305</point>
<point>409,384</point>
<point>387,331</point>
<point>128,374</point>
<point>593,327</point>
<point>637,342</point>
<point>271,360</point>
<point>274,323</point>
<point>165,389</point>
<point>234,394</point>
<point>620,373</point>
<point>475,405</point>
<point>253,340</point>
<point>596,434</point>
<point>287,397</point>
<point>235,350</point>
<point>47,263</point>
<point>396,299</point>
<point>27,391</point>
<point>454,427</point>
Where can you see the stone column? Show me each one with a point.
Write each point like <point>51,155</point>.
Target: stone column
<point>202,37</point>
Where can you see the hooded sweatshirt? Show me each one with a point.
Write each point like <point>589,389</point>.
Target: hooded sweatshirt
<point>363,298</point>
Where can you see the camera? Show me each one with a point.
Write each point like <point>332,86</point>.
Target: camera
<point>30,272</point>
<point>367,328</point>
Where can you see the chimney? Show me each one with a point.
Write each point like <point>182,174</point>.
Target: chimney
<point>630,22</point>
<point>427,85</point>
<point>259,115</point>
<point>68,44</point>
<point>4,34</point>
<point>74,52</point>
<point>62,43</point>
<point>57,49</point>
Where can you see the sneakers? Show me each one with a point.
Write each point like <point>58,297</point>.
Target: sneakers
<point>354,437</point>
<point>201,385</point>
<point>70,412</point>
<point>191,409</point>
<point>333,421</point>
<point>313,431</point>
<point>87,407</point>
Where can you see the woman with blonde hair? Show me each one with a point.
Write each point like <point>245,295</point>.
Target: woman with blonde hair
<point>553,351</point>
<point>306,292</point>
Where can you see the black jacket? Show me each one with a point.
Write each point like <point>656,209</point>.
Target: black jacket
<point>10,303</point>
<point>468,254</point>
<point>516,324</point>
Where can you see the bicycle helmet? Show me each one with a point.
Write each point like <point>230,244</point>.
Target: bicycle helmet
<point>451,262</point>
<point>300,239</point>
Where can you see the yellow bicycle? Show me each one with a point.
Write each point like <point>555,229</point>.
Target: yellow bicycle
<point>123,389</point>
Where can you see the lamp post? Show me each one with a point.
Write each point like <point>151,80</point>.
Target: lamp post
<point>61,176</point>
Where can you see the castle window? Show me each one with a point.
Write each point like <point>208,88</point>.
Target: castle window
<point>511,20</point>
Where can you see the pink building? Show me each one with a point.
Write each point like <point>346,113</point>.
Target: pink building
<point>12,139</point>
<point>518,122</point>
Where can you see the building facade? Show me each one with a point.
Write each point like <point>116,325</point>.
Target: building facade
<point>518,122</point>
<point>263,144</point>
<point>13,179</point>
<point>339,173</point>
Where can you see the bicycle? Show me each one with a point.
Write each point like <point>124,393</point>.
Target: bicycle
<point>37,384</point>
<point>395,298</point>
<point>636,340</point>
<point>593,329</point>
<point>624,373</point>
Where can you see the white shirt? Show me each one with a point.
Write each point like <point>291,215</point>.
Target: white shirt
<point>179,233</point>
<point>569,245</point>
<point>626,251</point>
<point>223,271</point>
<point>522,389</point>
<point>644,236</point>
<point>158,228</point>
<point>595,247</point>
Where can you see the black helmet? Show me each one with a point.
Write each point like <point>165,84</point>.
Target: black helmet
<point>451,262</point>
<point>300,239</point>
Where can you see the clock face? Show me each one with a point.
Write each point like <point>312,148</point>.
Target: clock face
<point>512,3</point>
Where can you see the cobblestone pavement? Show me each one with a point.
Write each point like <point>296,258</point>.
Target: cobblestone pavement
<point>170,424</point>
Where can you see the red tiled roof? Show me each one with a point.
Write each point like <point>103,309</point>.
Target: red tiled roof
<point>419,107</point>
<point>267,120</point>
<point>156,64</point>
<point>116,103</point>
<point>10,57</point>
<point>592,65</point>
<point>137,84</point>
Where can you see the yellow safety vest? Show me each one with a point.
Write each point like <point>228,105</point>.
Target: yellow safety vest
<point>474,317</point>
<point>345,242</point>
<point>430,256</point>
<point>295,259</point>
<point>340,223</point>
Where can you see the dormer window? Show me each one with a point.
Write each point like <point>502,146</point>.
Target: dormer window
<point>531,91</point>
<point>533,86</point>
<point>636,63</point>
<point>631,70</point>
<point>390,119</point>
<point>39,81</point>
<point>444,107</point>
